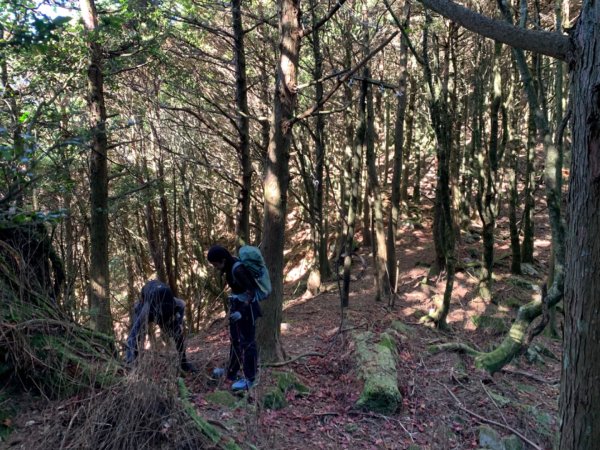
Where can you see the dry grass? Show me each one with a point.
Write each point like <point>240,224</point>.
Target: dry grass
<point>142,410</point>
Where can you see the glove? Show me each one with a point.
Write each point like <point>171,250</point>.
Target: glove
<point>235,316</point>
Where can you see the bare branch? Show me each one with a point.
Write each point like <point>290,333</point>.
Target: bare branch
<point>550,44</point>
<point>313,109</point>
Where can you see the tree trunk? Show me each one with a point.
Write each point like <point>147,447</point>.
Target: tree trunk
<point>444,231</point>
<point>410,120</point>
<point>352,173</point>
<point>243,126</point>
<point>322,268</point>
<point>486,203</point>
<point>528,224</point>
<point>379,244</point>
<point>99,271</point>
<point>277,176</point>
<point>394,211</point>
<point>580,396</point>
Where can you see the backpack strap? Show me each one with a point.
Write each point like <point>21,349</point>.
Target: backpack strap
<point>235,266</point>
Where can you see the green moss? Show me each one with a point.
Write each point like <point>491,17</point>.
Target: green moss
<point>493,323</point>
<point>522,283</point>
<point>274,399</point>
<point>513,302</point>
<point>207,429</point>
<point>388,341</point>
<point>377,365</point>
<point>402,328</point>
<point>223,398</point>
<point>287,381</point>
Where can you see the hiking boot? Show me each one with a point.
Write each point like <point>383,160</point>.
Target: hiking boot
<point>242,385</point>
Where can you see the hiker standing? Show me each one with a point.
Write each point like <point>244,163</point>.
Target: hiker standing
<point>157,304</point>
<point>244,310</point>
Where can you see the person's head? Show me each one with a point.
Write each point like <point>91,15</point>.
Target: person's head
<point>218,256</point>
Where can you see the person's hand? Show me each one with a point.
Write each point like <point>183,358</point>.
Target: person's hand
<point>235,316</point>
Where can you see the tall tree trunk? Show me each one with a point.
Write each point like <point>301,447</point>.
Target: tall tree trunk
<point>444,230</point>
<point>410,120</point>
<point>579,393</point>
<point>394,208</point>
<point>379,244</point>
<point>352,171</point>
<point>99,271</point>
<point>167,238</point>
<point>488,168</point>
<point>243,126</point>
<point>527,246</point>
<point>320,239</point>
<point>277,176</point>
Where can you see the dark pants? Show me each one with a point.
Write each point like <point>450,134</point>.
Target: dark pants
<point>243,350</point>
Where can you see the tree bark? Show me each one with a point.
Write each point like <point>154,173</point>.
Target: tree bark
<point>243,125</point>
<point>368,139</point>
<point>99,271</point>
<point>394,208</point>
<point>277,175</point>
<point>580,396</point>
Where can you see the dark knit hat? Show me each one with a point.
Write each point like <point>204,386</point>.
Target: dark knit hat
<point>217,254</point>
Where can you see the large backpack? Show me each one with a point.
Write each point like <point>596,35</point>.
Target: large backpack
<point>253,261</point>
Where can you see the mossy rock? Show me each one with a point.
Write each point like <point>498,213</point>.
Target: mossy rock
<point>377,364</point>
<point>489,438</point>
<point>493,323</point>
<point>223,398</point>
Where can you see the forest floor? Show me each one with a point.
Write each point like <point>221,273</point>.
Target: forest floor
<point>445,398</point>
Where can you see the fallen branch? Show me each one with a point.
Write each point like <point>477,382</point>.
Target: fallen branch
<point>489,421</point>
<point>295,358</point>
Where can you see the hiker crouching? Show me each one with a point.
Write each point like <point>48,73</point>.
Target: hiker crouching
<point>244,310</point>
<point>157,304</point>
